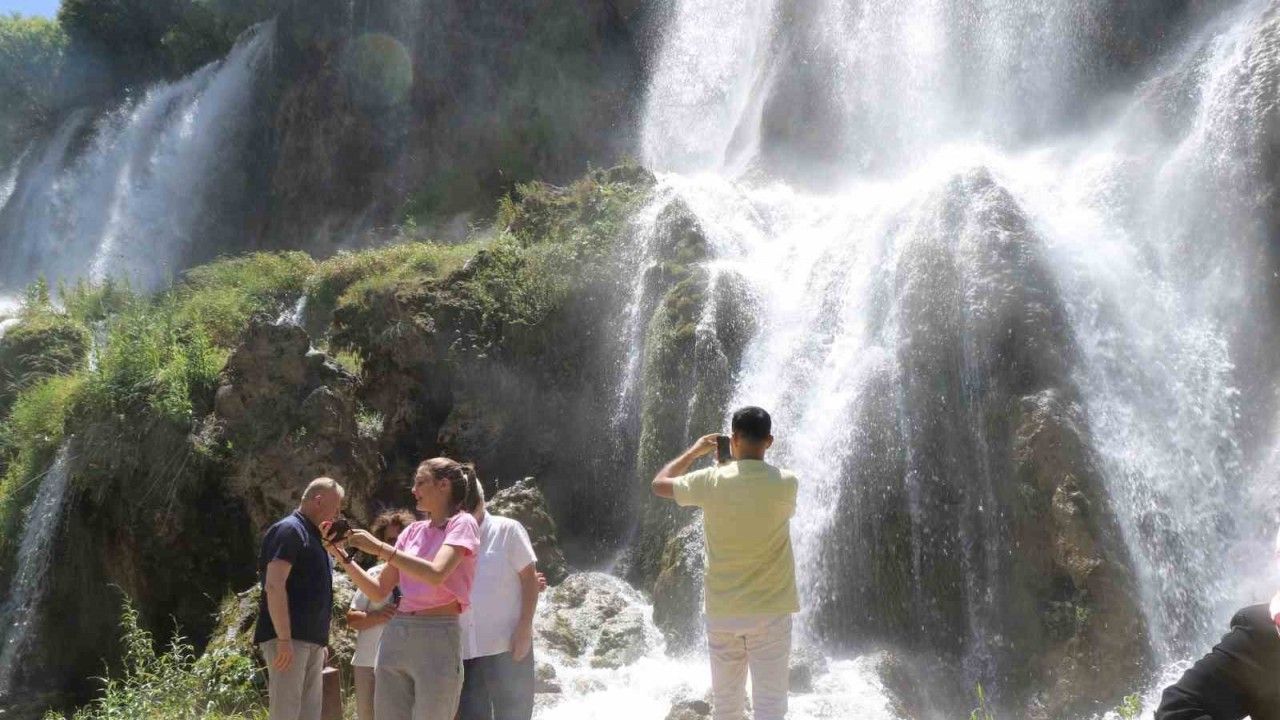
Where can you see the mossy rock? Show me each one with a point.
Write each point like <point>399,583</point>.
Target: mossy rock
<point>677,593</point>
<point>524,502</point>
<point>40,345</point>
<point>238,618</point>
<point>594,620</point>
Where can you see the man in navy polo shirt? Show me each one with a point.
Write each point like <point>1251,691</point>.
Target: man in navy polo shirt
<point>296,574</point>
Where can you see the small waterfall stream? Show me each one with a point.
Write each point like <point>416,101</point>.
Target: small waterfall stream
<point>20,611</point>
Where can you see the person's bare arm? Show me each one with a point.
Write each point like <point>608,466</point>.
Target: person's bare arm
<point>278,609</point>
<point>377,589</point>
<point>522,638</point>
<point>432,572</point>
<point>361,620</point>
<point>663,482</point>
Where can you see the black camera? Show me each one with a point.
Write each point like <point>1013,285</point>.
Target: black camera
<point>336,531</point>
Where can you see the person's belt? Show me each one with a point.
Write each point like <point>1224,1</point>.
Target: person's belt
<point>452,608</point>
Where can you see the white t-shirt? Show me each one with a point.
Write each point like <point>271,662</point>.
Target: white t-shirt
<point>366,654</point>
<point>487,625</point>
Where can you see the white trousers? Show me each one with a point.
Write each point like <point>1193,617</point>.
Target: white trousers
<point>760,644</point>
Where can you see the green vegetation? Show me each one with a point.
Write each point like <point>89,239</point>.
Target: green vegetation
<point>1130,707</point>
<point>29,438</point>
<point>983,711</point>
<point>175,684</point>
<point>347,275</point>
<point>31,54</point>
<point>222,296</point>
<point>134,416</point>
<point>158,362</point>
<point>550,242</point>
<point>43,343</point>
<point>140,40</point>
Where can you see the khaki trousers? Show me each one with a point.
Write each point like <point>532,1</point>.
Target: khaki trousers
<point>296,693</point>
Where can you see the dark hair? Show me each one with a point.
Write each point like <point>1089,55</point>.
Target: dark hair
<point>462,482</point>
<point>401,518</point>
<point>752,423</point>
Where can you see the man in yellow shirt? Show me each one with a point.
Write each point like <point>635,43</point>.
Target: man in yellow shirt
<point>747,506</point>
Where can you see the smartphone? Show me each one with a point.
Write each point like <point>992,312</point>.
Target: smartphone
<point>723,453</point>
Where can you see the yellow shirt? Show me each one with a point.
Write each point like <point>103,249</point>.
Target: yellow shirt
<point>746,511</point>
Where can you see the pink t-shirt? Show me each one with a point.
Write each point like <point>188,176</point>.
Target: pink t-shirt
<point>423,540</point>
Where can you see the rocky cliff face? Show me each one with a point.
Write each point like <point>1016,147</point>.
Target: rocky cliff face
<point>975,504</point>
<point>510,352</point>
<point>384,108</point>
<point>486,359</point>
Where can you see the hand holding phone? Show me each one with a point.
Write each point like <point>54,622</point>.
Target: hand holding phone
<point>724,452</point>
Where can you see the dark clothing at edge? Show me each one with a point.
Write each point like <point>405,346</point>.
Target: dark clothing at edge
<point>1239,677</point>
<point>309,587</point>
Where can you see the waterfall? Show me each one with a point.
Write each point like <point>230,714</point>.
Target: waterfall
<point>129,199</point>
<point>9,180</point>
<point>19,614</point>
<point>948,224</point>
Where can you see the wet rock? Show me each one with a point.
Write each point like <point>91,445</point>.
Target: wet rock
<point>903,684</point>
<point>689,710</point>
<point>1093,631</point>
<point>693,349</point>
<point>960,444</point>
<point>593,619</point>
<point>677,593</point>
<point>806,665</point>
<point>238,617</point>
<point>283,415</point>
<point>544,678</point>
<point>525,502</point>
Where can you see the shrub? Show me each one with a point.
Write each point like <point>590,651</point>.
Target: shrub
<point>175,684</point>
<point>1130,707</point>
<point>381,267</point>
<point>88,303</point>
<point>220,297</point>
<point>154,361</point>
<point>42,344</point>
<point>29,437</point>
<point>31,56</point>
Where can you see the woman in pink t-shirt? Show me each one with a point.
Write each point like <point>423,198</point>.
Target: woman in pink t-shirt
<point>418,673</point>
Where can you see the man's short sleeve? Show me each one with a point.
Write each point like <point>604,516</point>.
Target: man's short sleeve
<point>793,487</point>
<point>691,488</point>
<point>284,544</point>
<point>519,550</point>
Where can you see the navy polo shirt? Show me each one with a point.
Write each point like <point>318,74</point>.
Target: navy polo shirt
<point>309,588</point>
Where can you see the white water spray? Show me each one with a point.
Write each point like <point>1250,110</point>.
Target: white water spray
<point>132,203</point>
<point>936,122</point>
<point>19,614</point>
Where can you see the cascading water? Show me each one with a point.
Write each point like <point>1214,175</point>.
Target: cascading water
<point>131,201</point>
<point>9,180</point>
<point>948,224</point>
<point>18,615</point>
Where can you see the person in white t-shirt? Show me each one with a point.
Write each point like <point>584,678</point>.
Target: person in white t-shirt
<point>367,618</point>
<point>497,631</point>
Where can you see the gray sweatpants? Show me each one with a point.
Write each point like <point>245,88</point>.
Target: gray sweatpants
<point>296,693</point>
<point>419,670</point>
